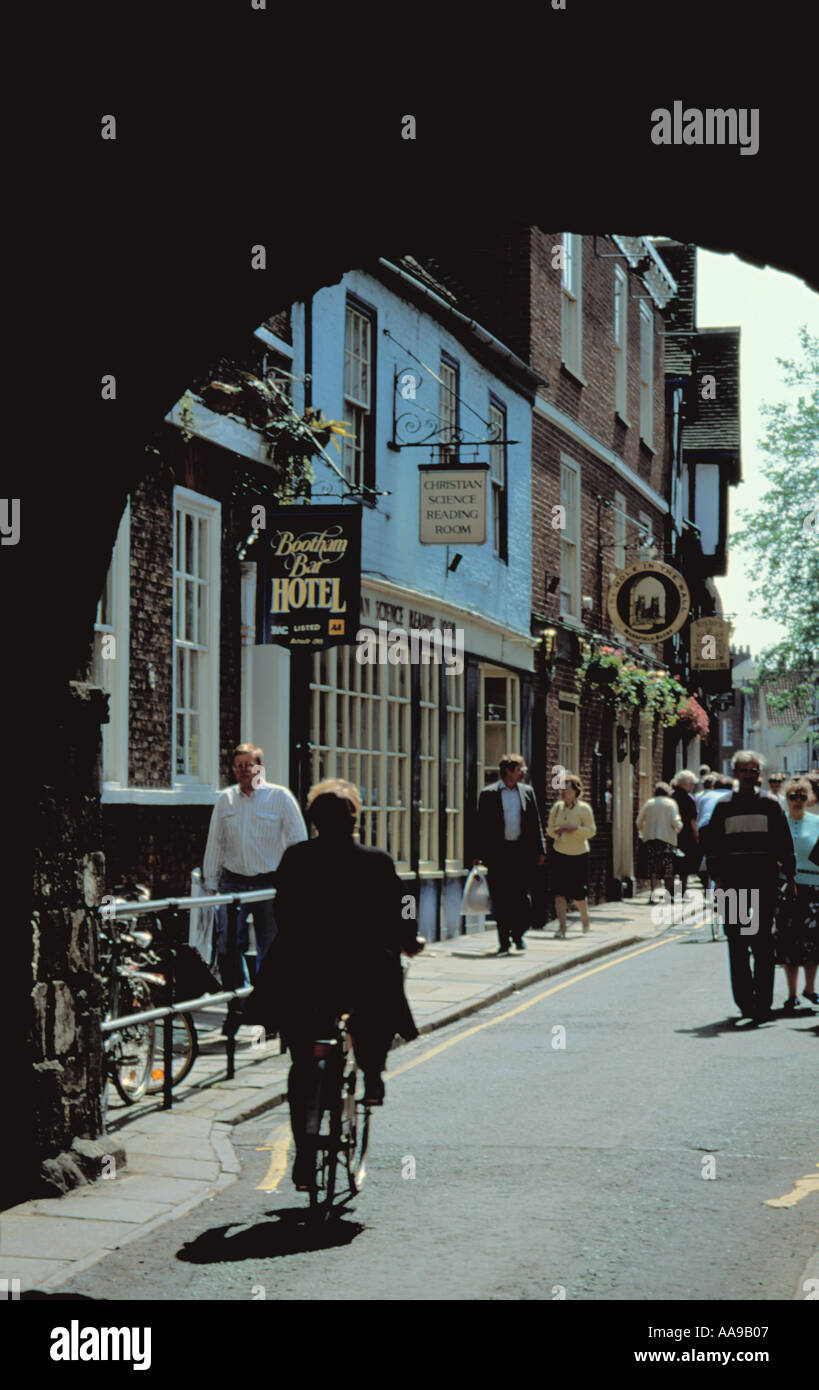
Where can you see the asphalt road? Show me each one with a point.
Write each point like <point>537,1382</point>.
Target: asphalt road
<point>506,1166</point>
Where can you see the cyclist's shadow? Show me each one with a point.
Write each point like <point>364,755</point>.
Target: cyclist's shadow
<point>292,1231</point>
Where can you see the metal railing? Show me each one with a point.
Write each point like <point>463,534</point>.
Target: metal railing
<point>169,910</point>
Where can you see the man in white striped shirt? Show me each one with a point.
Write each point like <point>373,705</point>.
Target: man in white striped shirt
<point>252,824</point>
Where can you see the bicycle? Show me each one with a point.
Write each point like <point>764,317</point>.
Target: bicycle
<point>337,1123</point>
<point>135,1056</point>
<point>128,1051</point>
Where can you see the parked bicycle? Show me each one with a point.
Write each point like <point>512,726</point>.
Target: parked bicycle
<point>135,1056</point>
<point>337,1124</point>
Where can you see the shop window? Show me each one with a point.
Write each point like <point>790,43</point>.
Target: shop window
<point>455,688</point>
<point>360,730</point>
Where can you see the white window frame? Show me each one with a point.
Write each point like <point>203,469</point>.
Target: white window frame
<point>204,508</point>
<point>497,471</point>
<point>571,322</point>
<point>511,723</point>
<point>456,721</point>
<point>568,748</point>
<point>570,541</point>
<point>358,404</point>
<point>647,373</point>
<point>429,753</point>
<point>115,672</point>
<point>620,341</point>
<point>448,393</point>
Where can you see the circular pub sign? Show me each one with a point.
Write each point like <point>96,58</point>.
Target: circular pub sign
<point>648,601</point>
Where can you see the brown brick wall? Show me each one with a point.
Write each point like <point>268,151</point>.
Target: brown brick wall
<point>592,407</point>
<point>592,404</point>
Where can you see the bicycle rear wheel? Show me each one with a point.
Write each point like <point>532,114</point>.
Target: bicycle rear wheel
<point>185,1051</point>
<point>130,1055</point>
<point>355,1129</point>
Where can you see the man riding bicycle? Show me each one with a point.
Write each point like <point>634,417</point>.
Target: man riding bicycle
<point>341,934</point>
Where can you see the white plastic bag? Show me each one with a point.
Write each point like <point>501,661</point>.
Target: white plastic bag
<point>202,922</point>
<point>476,892</point>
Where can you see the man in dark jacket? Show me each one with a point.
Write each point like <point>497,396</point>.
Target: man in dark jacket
<point>509,841</point>
<point>339,909</point>
<point>747,842</point>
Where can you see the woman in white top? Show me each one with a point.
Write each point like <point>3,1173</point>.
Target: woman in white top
<point>658,824</point>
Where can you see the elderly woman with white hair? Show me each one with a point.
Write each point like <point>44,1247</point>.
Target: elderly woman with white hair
<point>682,788</point>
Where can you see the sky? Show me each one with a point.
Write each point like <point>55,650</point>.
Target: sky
<point>768,306</point>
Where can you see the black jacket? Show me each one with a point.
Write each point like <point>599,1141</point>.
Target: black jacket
<point>490,827</point>
<point>746,840</point>
<point>340,935</point>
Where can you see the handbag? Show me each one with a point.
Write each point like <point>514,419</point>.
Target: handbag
<point>475,897</point>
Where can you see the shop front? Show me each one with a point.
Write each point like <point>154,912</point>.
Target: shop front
<point>416,713</point>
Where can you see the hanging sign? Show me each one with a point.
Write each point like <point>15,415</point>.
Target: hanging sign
<point>453,503</point>
<point>308,589</point>
<point>648,601</point>
<point>710,644</point>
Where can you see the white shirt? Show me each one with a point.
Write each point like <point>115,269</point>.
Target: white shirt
<point>660,819</point>
<point>512,808</point>
<point>249,834</point>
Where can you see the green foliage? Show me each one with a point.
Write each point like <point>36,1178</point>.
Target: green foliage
<point>782,533</point>
<point>613,679</point>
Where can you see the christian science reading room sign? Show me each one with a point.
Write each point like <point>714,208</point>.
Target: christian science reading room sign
<point>453,504</point>
<point>649,601</point>
<point>309,584</point>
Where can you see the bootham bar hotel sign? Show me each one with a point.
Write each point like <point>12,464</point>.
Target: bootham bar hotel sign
<point>453,504</point>
<point>310,577</point>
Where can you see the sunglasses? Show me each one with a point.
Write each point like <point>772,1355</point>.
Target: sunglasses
<point>797,796</point>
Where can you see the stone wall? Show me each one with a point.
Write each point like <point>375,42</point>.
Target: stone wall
<point>66,996</point>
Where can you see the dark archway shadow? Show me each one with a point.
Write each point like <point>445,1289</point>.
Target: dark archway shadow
<point>291,1231</point>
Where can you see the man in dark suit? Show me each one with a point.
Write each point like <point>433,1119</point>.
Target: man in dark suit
<point>510,844</point>
<point>342,928</point>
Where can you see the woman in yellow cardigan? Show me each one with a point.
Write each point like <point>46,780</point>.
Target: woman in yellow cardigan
<point>571,826</point>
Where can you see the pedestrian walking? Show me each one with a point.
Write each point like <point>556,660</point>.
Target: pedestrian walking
<point>682,787</point>
<point>342,929</point>
<point>658,826</point>
<point>747,843</point>
<point>776,782</point>
<point>797,923</point>
<point>252,824</point>
<point>509,841</point>
<point>571,826</point>
<point>721,788</point>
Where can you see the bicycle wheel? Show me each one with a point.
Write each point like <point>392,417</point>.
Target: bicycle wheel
<point>131,1053</point>
<point>185,1051</point>
<point>355,1129</point>
<point>324,1134</point>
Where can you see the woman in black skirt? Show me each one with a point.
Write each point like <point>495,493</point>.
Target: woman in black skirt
<point>571,826</point>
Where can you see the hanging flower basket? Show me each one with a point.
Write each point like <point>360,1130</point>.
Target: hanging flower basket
<point>692,716</point>
<point>610,677</point>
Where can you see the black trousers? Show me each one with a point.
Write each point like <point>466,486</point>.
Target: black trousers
<point>510,875</point>
<point>371,1048</point>
<point>753,989</point>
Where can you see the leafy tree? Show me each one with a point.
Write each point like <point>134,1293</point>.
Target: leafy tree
<point>782,532</point>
